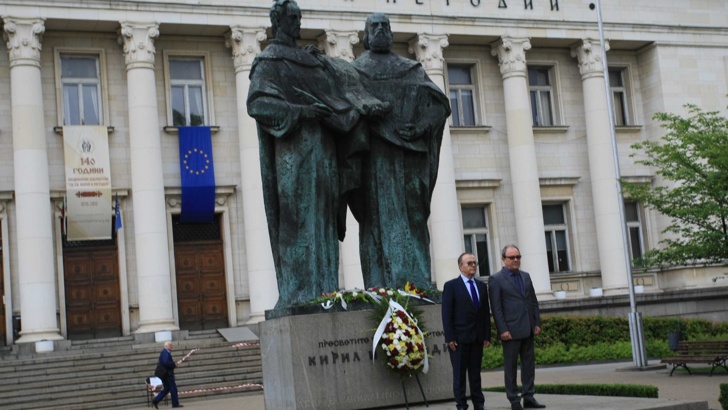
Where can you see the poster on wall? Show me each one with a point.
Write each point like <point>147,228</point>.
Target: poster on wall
<point>88,183</point>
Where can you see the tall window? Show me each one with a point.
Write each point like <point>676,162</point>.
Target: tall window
<point>187,91</point>
<point>619,96</point>
<point>634,231</point>
<point>475,230</point>
<point>557,243</point>
<point>81,88</point>
<point>539,83</point>
<point>462,94</point>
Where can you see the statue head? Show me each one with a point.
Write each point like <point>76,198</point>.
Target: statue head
<point>285,18</point>
<point>378,33</point>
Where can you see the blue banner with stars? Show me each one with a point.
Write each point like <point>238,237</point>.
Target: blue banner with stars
<point>198,175</point>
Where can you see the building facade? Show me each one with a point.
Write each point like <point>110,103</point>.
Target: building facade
<point>526,158</point>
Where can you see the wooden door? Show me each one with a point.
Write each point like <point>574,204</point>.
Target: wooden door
<point>201,295</point>
<point>93,302</point>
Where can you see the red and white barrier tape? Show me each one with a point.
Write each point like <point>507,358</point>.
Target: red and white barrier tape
<point>240,386</point>
<point>252,386</point>
<point>245,344</point>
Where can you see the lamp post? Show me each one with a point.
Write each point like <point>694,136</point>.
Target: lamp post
<point>639,355</point>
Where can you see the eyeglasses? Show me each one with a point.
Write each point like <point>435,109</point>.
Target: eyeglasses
<point>471,263</point>
<point>514,257</point>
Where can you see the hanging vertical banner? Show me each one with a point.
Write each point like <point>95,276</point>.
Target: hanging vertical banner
<point>88,183</point>
<point>198,175</point>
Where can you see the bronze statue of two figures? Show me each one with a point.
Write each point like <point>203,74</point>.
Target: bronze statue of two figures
<point>365,134</point>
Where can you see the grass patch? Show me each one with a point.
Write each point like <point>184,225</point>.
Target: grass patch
<point>611,390</point>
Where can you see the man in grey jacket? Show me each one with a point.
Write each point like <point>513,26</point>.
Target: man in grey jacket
<point>517,318</point>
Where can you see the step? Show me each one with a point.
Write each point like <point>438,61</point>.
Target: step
<point>73,378</point>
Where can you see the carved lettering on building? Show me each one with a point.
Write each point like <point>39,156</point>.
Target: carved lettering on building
<point>502,4</point>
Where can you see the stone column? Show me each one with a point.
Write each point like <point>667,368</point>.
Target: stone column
<point>602,168</point>
<point>340,44</point>
<point>511,53</point>
<point>245,45</point>
<point>36,271</point>
<point>147,185</point>
<point>446,230</point>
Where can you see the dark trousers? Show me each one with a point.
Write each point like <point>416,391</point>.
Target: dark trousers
<point>169,387</point>
<point>512,349</point>
<point>467,359</point>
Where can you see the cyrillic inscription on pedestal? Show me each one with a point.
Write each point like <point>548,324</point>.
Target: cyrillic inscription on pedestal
<point>324,361</point>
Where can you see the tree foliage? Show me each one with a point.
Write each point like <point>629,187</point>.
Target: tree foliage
<point>693,159</point>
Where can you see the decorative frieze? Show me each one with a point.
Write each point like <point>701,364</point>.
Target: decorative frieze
<point>511,53</point>
<point>138,42</point>
<point>589,56</point>
<point>23,38</point>
<point>245,45</point>
<point>427,48</point>
<point>336,43</point>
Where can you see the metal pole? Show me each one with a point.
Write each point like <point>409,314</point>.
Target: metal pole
<point>639,355</point>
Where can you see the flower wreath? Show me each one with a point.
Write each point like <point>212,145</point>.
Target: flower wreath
<point>399,334</point>
<point>402,340</point>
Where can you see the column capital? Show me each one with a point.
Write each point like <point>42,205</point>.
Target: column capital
<point>337,43</point>
<point>245,45</point>
<point>511,53</point>
<point>24,38</point>
<point>589,56</point>
<point>138,42</point>
<point>427,48</point>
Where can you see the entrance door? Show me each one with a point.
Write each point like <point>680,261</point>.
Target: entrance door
<point>201,295</point>
<point>93,302</point>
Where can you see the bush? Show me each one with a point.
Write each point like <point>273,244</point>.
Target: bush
<point>581,339</point>
<point>723,398</point>
<point>612,390</point>
<point>560,354</point>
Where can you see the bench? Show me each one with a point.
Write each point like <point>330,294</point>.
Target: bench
<point>713,353</point>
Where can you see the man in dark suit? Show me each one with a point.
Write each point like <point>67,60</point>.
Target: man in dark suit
<point>170,386</point>
<point>466,323</point>
<point>517,318</point>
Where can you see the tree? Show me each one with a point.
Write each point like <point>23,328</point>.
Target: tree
<point>693,155</point>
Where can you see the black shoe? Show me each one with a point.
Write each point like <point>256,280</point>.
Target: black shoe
<point>532,404</point>
<point>516,406</point>
<point>154,403</point>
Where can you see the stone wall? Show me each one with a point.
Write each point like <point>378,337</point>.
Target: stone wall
<point>323,361</point>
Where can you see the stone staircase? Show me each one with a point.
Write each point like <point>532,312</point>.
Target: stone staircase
<point>96,374</point>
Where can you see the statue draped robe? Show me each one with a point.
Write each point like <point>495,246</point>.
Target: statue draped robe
<point>298,159</point>
<point>398,174</point>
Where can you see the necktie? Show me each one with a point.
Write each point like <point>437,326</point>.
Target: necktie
<point>519,280</point>
<point>474,295</point>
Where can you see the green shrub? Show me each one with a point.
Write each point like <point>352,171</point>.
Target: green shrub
<point>589,330</point>
<point>723,398</point>
<point>561,354</point>
<point>581,339</point>
<point>612,390</point>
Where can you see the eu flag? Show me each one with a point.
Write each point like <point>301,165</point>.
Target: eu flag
<point>198,175</point>
<point>117,213</point>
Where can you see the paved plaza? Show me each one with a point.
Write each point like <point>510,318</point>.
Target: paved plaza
<point>679,392</point>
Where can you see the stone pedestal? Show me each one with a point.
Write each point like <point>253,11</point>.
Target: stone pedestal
<point>323,361</point>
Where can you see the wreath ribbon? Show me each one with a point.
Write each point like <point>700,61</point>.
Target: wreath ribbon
<point>329,304</point>
<point>412,295</point>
